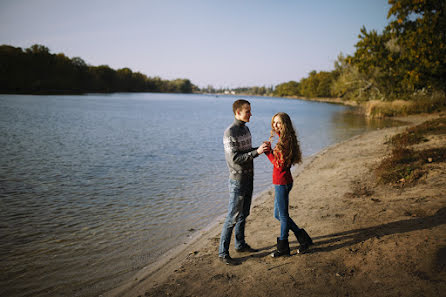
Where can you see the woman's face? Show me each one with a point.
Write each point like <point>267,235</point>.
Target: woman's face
<point>277,124</point>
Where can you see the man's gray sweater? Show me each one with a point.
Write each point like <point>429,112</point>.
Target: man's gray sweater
<point>239,152</point>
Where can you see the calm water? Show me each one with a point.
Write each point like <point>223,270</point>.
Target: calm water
<point>95,187</point>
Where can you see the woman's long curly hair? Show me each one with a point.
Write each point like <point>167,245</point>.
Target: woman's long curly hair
<point>287,149</point>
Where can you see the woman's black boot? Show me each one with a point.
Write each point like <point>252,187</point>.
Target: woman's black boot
<point>304,240</point>
<point>283,248</point>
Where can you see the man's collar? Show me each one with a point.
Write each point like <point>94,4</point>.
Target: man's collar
<point>239,122</point>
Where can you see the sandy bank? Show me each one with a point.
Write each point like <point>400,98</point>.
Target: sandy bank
<point>370,239</point>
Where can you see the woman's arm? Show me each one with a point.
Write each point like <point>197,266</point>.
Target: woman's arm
<point>277,162</point>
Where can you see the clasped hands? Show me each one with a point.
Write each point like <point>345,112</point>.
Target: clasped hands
<point>265,147</point>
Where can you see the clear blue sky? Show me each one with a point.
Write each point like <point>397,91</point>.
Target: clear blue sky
<point>224,43</point>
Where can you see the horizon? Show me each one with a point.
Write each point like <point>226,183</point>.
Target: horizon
<point>224,45</point>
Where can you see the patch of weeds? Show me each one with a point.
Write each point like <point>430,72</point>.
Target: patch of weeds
<point>418,103</point>
<point>405,165</point>
<point>394,170</point>
<point>414,135</point>
<point>428,103</point>
<point>359,190</point>
<point>406,138</point>
<point>433,155</point>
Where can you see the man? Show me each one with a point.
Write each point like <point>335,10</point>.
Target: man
<point>239,155</point>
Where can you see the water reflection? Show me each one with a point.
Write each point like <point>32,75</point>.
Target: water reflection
<point>349,123</point>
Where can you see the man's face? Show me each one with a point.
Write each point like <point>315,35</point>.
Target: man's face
<point>244,113</point>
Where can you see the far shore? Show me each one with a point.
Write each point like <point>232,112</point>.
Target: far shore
<point>328,100</point>
<point>370,239</point>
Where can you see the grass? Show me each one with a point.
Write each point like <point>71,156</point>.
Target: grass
<point>405,165</point>
<point>417,104</point>
<point>414,135</point>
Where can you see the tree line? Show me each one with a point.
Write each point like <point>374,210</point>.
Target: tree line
<point>406,60</point>
<point>37,71</point>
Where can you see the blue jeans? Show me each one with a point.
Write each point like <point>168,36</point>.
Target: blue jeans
<point>281,202</point>
<point>240,196</point>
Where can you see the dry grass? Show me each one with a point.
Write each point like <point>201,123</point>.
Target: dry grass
<point>380,109</point>
<point>359,189</point>
<point>405,165</point>
<point>414,135</point>
<point>417,104</point>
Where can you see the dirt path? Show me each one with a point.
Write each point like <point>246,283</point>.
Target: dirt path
<point>370,240</point>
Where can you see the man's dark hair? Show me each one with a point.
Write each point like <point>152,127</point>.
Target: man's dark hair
<point>238,104</point>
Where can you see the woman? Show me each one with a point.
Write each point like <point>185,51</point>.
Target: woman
<point>285,154</point>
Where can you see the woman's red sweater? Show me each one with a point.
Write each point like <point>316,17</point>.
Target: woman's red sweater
<point>281,175</point>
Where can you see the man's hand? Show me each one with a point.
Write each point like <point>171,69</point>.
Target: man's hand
<point>263,148</point>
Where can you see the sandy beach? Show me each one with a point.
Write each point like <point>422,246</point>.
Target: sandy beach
<point>371,239</point>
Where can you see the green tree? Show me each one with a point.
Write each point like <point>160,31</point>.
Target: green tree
<point>325,80</point>
<point>317,84</point>
<point>36,70</point>
<point>13,69</point>
<point>290,88</point>
<point>104,79</point>
<point>419,30</point>
<point>408,56</point>
<point>38,49</point>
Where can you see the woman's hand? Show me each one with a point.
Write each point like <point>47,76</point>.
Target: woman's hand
<point>263,148</point>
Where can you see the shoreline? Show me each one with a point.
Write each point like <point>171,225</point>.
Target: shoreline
<point>189,247</point>
<point>258,199</point>
<point>198,258</point>
<point>182,251</point>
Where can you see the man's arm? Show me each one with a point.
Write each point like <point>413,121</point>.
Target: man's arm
<point>240,157</point>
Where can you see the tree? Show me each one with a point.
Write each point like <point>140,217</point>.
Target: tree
<point>323,88</point>
<point>104,79</point>
<point>290,88</point>
<point>419,29</point>
<point>125,82</point>
<point>36,70</point>
<point>317,84</point>
<point>38,49</point>
<point>179,86</point>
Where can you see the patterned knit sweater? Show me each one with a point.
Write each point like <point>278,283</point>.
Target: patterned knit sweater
<point>239,152</point>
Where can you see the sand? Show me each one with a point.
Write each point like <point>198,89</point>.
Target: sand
<point>370,239</point>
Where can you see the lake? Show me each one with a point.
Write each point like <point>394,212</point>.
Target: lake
<point>95,187</point>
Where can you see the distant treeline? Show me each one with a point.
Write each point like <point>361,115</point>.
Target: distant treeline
<point>406,60</point>
<point>36,71</point>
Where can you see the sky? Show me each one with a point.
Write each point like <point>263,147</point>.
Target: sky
<point>223,43</point>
